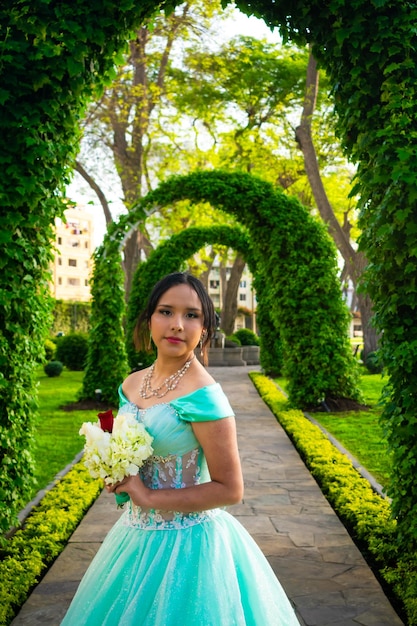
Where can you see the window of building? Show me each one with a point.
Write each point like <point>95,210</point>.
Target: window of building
<point>242,284</point>
<point>86,282</point>
<point>74,243</point>
<point>214,284</point>
<point>242,297</point>
<point>60,281</point>
<point>59,261</point>
<point>72,262</point>
<point>74,282</point>
<point>86,244</point>
<point>60,241</point>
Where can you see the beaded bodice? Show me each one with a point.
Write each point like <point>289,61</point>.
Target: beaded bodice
<point>178,460</point>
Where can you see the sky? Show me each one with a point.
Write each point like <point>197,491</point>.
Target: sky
<point>80,192</point>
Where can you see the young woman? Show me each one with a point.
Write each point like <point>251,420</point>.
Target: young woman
<point>176,557</point>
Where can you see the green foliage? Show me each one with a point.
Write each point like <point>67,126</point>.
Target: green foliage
<point>29,552</point>
<point>50,349</point>
<point>373,363</point>
<point>106,365</point>
<point>53,58</point>
<point>294,263</point>
<point>232,342</point>
<point>71,350</point>
<point>246,337</point>
<point>71,317</point>
<point>367,515</point>
<point>368,50</point>
<point>53,368</point>
<point>271,352</point>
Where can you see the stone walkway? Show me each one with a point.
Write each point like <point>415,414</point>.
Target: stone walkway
<point>322,571</point>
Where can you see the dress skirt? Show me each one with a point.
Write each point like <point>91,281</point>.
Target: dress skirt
<point>210,573</point>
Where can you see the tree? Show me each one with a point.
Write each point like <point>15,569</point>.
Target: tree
<point>355,261</point>
<point>229,310</point>
<point>128,119</point>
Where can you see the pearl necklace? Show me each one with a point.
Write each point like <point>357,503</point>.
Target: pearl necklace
<point>146,391</point>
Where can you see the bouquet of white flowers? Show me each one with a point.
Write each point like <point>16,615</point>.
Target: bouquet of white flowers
<point>116,454</point>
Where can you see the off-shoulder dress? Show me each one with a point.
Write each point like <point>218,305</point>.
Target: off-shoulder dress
<point>159,568</point>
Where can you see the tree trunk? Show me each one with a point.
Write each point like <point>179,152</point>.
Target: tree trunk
<point>136,246</point>
<point>204,276</point>
<point>355,261</point>
<point>229,310</point>
<point>97,189</point>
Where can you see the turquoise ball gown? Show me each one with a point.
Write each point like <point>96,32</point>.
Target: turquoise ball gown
<point>167,568</point>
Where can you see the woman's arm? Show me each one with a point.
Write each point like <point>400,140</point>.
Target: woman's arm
<point>218,441</point>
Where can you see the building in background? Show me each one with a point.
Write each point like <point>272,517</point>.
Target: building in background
<point>246,297</point>
<point>72,265</point>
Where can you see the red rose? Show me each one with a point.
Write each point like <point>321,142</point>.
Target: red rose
<point>106,420</point>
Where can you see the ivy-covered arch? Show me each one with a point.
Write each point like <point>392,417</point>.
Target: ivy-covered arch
<point>294,262</point>
<point>53,58</point>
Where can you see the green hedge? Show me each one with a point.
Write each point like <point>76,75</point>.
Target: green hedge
<point>71,317</point>
<point>366,514</point>
<point>72,351</point>
<point>32,549</point>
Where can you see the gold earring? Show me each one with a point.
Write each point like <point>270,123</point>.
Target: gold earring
<point>200,344</point>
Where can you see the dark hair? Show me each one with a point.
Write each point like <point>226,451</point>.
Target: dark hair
<point>141,331</point>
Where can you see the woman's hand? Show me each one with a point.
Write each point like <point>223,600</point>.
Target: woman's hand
<point>134,486</point>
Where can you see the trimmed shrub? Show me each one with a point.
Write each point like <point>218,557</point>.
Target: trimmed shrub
<point>72,351</point>
<point>231,342</point>
<point>368,516</point>
<point>53,368</point>
<point>246,337</point>
<point>32,549</point>
<point>50,349</point>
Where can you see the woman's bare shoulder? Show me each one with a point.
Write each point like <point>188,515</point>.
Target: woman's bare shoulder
<point>133,380</point>
<point>200,377</point>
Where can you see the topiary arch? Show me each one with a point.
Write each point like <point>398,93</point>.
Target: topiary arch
<point>53,57</point>
<point>294,262</point>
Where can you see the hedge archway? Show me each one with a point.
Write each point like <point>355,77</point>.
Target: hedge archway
<point>295,273</point>
<point>54,57</point>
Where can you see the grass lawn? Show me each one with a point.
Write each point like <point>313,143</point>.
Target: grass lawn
<point>360,431</point>
<point>56,435</point>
